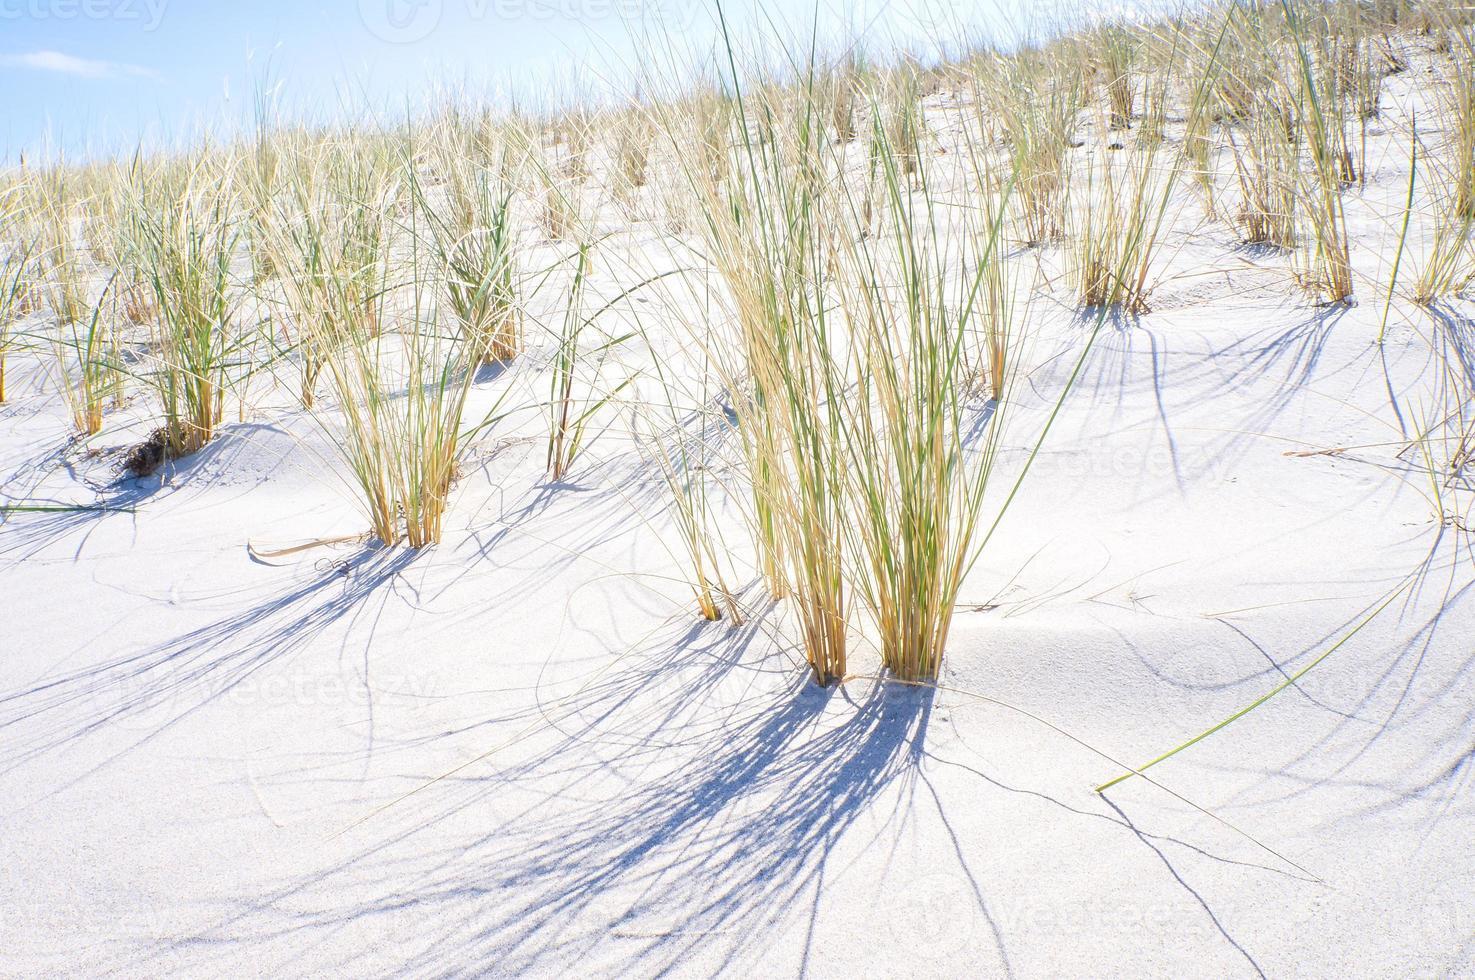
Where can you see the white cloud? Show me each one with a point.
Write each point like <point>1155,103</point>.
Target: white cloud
<point>80,67</point>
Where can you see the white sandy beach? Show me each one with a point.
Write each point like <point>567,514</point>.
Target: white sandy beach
<point>522,752</point>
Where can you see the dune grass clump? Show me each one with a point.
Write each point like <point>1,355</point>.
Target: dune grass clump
<point>399,377</point>
<point>472,237</point>
<point>400,393</point>
<point>400,381</point>
<point>1458,115</point>
<point>1111,242</point>
<point>991,301</point>
<point>574,133</point>
<point>689,493</point>
<point>569,410</point>
<point>1128,187</point>
<point>1117,49</point>
<point>461,153</point>
<point>1449,266</point>
<point>850,373</point>
<point>1200,150</point>
<point>103,216</point>
<point>86,374</point>
<point>1036,108</point>
<point>329,241</point>
<point>764,232</point>
<point>54,211</point>
<point>259,179</point>
<point>680,445</point>
<point>915,480</point>
<point>15,267</point>
<point>1326,266</point>
<point>1363,73</point>
<point>1266,170</point>
<point>845,82</point>
<point>711,129</point>
<point>559,205</point>
<point>904,125</point>
<point>183,237</point>
<point>633,138</point>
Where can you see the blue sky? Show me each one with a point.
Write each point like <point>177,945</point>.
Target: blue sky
<point>97,76</point>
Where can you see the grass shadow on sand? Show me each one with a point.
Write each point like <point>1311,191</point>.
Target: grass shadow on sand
<point>151,689</point>
<point>705,790</point>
